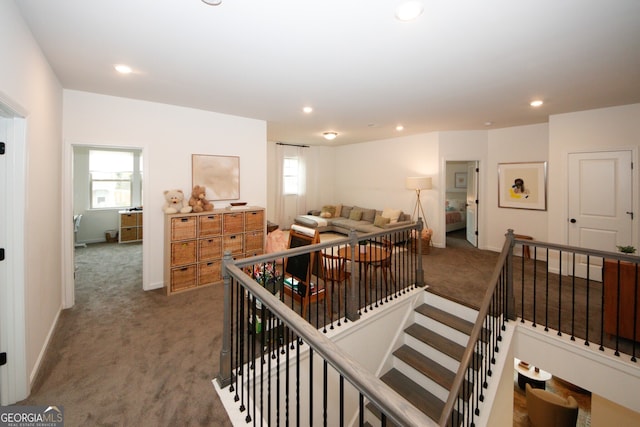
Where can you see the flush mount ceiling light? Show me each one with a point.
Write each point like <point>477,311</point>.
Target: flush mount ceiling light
<point>307,110</point>
<point>123,69</point>
<point>212,2</point>
<point>399,128</point>
<point>536,103</point>
<point>330,136</point>
<point>409,10</point>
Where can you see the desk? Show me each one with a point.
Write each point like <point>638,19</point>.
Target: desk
<point>365,255</point>
<point>537,378</point>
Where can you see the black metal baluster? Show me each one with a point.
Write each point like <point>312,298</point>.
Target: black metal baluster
<point>546,294</point>
<point>586,338</point>
<point>325,389</point>
<point>535,284</point>
<point>559,294</point>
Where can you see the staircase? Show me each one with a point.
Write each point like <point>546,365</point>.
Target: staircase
<point>428,354</point>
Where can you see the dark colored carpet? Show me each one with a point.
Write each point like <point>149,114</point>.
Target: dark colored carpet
<point>124,357</point>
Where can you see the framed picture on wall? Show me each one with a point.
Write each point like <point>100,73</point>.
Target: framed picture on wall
<point>460,180</point>
<point>220,175</point>
<point>522,185</point>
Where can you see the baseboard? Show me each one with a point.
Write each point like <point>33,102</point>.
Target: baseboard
<point>36,367</point>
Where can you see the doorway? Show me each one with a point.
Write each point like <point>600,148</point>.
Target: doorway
<point>107,187</point>
<point>600,204</point>
<point>14,382</point>
<point>461,201</point>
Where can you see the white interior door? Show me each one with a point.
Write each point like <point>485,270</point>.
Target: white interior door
<point>3,267</point>
<point>472,203</point>
<point>600,203</point>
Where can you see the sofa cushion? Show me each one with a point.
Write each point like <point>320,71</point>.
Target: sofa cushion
<point>380,221</point>
<point>355,214</point>
<point>392,214</point>
<point>338,211</point>
<point>345,211</point>
<point>368,215</point>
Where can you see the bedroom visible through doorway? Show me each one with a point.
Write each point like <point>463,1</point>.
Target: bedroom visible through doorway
<point>461,201</point>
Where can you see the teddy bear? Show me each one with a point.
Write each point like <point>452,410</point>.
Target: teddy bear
<point>198,200</point>
<point>174,202</point>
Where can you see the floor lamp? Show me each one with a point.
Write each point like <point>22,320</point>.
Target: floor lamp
<point>418,183</point>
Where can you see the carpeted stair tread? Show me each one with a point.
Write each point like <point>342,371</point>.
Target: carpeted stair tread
<point>438,342</point>
<point>416,395</point>
<point>431,369</point>
<point>451,320</point>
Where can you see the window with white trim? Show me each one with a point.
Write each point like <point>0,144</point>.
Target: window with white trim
<point>290,175</point>
<point>112,176</point>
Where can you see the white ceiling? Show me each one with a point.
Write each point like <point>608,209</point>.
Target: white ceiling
<point>460,64</point>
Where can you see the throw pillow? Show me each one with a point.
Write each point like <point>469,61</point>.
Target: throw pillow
<point>338,211</point>
<point>355,215</point>
<point>325,215</point>
<point>345,211</point>
<point>331,210</point>
<point>368,215</point>
<point>392,214</point>
<point>380,221</point>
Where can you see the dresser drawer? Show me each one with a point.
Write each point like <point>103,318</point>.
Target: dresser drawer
<point>183,252</point>
<point>210,225</point>
<point>183,278</point>
<point>210,248</point>
<point>254,220</point>
<point>129,220</point>
<point>233,243</point>
<point>253,241</point>
<point>128,234</point>
<point>183,228</point>
<point>209,272</point>
<point>233,222</point>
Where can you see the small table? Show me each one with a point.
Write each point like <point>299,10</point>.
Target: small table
<point>529,374</point>
<point>365,255</point>
<point>271,227</point>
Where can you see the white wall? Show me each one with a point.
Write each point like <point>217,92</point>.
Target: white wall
<point>27,81</point>
<point>513,145</point>
<point>594,130</point>
<point>372,174</point>
<point>168,136</point>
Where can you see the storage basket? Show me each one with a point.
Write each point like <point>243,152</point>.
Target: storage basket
<point>209,272</point>
<point>210,225</point>
<point>233,243</point>
<point>183,278</point>
<point>210,248</point>
<point>424,240</point>
<point>254,241</point>
<point>254,220</point>
<point>183,228</point>
<point>183,252</point>
<point>233,222</point>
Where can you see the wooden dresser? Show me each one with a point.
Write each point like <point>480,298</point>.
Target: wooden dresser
<point>129,226</point>
<point>196,242</point>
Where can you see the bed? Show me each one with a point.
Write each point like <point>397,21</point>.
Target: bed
<point>455,215</point>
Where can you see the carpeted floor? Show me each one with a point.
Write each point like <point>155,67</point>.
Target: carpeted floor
<point>127,357</point>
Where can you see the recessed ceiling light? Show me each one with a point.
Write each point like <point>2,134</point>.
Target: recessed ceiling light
<point>123,69</point>
<point>409,10</point>
<point>307,110</point>
<point>330,136</point>
<point>399,128</point>
<point>536,103</point>
<point>488,123</point>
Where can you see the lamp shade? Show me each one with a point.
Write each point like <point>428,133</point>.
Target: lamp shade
<point>418,183</point>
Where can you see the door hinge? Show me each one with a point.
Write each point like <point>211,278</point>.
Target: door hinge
<point>3,358</point>
<point>1,254</point>
<point>2,144</point>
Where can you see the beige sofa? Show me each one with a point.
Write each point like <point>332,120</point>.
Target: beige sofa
<point>344,218</point>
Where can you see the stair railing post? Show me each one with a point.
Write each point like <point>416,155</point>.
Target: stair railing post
<point>419,270</point>
<point>511,299</point>
<point>224,376</point>
<point>353,301</point>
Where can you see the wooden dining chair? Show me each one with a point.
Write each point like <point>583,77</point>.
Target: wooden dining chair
<point>335,273</point>
<point>384,265</point>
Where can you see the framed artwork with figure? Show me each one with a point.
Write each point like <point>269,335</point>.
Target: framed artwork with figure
<point>220,175</point>
<point>522,185</point>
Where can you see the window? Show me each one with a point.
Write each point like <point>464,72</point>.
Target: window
<point>290,172</point>
<point>111,178</point>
